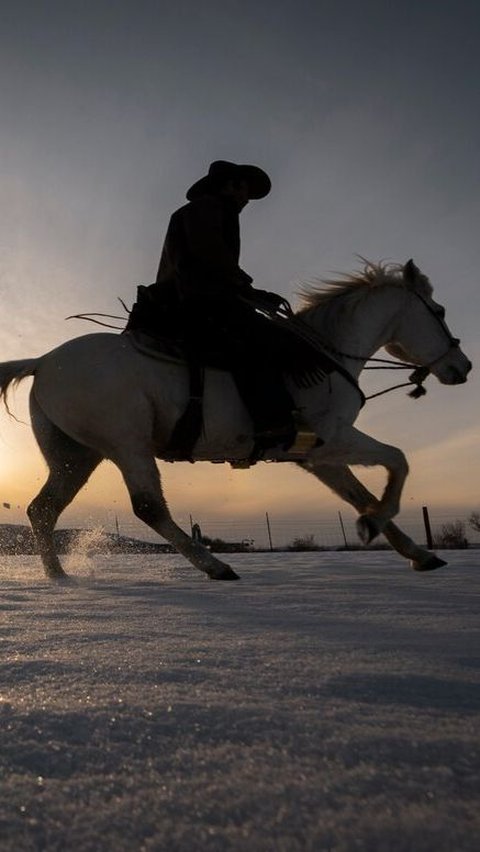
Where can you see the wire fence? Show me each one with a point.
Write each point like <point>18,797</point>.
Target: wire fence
<point>269,530</point>
<point>264,530</point>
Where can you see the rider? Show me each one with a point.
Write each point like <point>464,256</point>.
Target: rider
<point>199,269</point>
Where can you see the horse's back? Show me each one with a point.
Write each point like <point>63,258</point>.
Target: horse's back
<point>99,385</point>
<point>108,358</point>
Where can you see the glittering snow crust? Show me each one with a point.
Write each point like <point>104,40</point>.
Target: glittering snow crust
<point>328,701</point>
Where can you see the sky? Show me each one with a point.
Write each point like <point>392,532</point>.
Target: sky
<point>365,115</point>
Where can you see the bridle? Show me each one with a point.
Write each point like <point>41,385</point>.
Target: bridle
<point>454,341</point>
<point>419,374</point>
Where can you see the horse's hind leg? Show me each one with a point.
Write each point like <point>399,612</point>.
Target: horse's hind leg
<point>143,482</point>
<point>70,465</point>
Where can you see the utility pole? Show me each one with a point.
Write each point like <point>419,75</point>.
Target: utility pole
<point>269,531</point>
<point>117,528</point>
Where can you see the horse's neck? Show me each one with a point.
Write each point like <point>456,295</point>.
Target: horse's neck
<point>358,327</point>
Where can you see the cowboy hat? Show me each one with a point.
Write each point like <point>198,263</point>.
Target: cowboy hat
<point>222,171</point>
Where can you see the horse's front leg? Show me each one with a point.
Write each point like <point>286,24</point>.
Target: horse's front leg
<point>342,482</point>
<point>351,446</point>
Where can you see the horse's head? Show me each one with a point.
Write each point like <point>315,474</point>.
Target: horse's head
<point>421,334</point>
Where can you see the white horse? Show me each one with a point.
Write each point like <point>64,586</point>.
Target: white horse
<point>97,397</point>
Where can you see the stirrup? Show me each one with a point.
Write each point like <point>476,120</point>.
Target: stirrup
<point>305,440</point>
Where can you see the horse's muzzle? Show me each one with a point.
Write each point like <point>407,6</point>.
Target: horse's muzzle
<point>455,376</point>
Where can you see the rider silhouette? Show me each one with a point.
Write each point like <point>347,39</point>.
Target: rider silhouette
<point>199,269</point>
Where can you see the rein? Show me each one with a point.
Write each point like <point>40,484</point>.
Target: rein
<point>419,373</point>
<point>90,318</point>
<point>417,377</point>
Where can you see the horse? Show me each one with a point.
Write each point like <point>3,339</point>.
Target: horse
<point>98,397</point>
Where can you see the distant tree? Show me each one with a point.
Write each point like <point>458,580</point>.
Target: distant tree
<point>452,535</point>
<point>304,542</point>
<point>474,521</point>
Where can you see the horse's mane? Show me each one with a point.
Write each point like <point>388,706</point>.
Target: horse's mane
<point>356,284</point>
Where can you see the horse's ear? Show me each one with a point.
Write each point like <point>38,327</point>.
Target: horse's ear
<point>410,272</point>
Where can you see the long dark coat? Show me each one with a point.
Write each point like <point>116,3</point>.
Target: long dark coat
<point>201,251</point>
<point>199,270</point>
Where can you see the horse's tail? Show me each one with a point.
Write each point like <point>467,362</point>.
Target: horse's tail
<point>15,371</point>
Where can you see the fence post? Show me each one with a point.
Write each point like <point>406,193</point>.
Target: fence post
<point>196,533</point>
<point>343,529</point>
<point>428,529</point>
<point>269,531</point>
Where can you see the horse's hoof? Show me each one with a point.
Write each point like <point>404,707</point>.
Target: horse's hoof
<point>223,573</point>
<point>430,564</point>
<point>367,528</point>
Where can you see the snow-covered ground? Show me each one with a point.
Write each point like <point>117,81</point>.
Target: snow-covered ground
<point>328,701</point>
